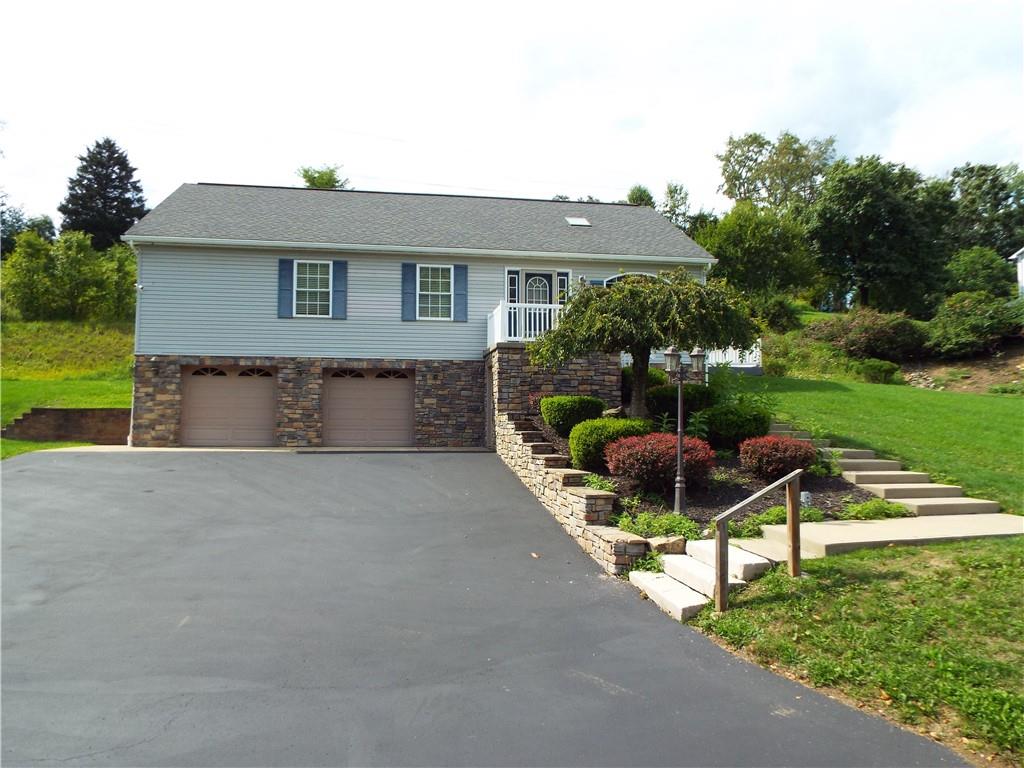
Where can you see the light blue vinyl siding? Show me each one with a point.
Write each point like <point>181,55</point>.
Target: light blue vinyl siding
<point>224,302</point>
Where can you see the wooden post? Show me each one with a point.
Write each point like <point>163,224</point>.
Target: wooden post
<point>721,565</point>
<point>793,524</point>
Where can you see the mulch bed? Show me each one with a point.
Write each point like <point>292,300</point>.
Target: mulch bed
<point>731,484</point>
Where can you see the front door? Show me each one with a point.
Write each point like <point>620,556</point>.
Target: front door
<point>537,290</point>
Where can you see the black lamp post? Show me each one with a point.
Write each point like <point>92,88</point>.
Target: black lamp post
<point>680,374</point>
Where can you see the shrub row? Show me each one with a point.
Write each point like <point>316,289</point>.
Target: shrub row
<point>867,332</point>
<point>650,460</point>
<point>663,400</point>
<point>773,456</point>
<point>563,412</point>
<point>588,439</point>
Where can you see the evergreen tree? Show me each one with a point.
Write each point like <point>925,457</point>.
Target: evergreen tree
<point>104,199</point>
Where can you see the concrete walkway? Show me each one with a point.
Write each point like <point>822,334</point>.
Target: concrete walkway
<point>266,608</point>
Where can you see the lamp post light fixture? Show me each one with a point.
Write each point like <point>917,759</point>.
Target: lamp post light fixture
<point>680,374</point>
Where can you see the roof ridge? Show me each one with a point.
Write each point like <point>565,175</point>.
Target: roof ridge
<point>416,194</point>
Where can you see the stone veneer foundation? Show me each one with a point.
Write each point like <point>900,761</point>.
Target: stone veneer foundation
<point>449,398</point>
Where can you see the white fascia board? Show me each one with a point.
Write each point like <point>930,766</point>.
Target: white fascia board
<point>409,249</point>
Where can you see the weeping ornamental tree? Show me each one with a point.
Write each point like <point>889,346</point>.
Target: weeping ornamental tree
<point>640,313</point>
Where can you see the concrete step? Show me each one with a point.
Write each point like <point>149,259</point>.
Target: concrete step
<point>849,453</point>
<point>914,490</point>
<point>743,565</point>
<point>776,551</point>
<point>695,574</point>
<point>885,478</point>
<point>835,536</point>
<point>783,425</point>
<point>532,436</point>
<point>954,505</point>
<point>677,600</point>
<point>821,443</point>
<point>569,477</point>
<point>540,448</point>
<point>869,465</point>
<point>796,434</point>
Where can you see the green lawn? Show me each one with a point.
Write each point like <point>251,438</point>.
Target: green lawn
<point>10,448</point>
<point>16,397</point>
<point>928,635</point>
<point>976,441</point>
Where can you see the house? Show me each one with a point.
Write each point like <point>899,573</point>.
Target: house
<point>1018,259</point>
<point>304,317</point>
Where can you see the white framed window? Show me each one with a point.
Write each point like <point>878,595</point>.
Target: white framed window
<point>434,288</point>
<point>312,293</point>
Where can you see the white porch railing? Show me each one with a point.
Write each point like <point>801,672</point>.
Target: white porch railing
<point>512,321</point>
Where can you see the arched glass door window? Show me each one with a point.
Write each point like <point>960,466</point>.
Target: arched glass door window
<point>538,290</point>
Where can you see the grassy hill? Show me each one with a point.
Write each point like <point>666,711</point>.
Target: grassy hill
<point>62,365</point>
<point>972,440</point>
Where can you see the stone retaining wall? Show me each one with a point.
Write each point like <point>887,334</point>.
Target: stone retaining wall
<point>513,378</point>
<point>583,512</point>
<point>103,426</point>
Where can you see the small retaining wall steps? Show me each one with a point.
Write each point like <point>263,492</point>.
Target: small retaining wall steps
<point>103,426</point>
<point>583,512</point>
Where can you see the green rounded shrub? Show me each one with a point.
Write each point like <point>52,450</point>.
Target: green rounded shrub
<point>730,424</point>
<point>867,333</point>
<point>878,371</point>
<point>656,377</point>
<point>973,322</point>
<point>664,400</point>
<point>775,311</point>
<point>563,412</point>
<point>588,439</point>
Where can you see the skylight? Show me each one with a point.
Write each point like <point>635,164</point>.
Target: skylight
<point>577,221</point>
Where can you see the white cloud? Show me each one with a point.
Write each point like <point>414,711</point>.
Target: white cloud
<point>527,99</point>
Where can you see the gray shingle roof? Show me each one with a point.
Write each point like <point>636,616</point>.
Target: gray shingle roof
<point>283,214</point>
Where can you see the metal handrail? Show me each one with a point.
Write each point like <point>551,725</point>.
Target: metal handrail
<point>792,483</point>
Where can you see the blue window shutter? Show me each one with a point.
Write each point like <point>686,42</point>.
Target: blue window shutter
<point>408,291</point>
<point>285,283</point>
<point>460,306</point>
<point>339,290</point>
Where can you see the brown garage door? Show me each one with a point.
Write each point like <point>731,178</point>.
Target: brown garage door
<point>369,407</point>
<point>228,406</point>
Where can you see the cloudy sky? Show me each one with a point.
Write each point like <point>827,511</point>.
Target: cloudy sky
<point>523,99</point>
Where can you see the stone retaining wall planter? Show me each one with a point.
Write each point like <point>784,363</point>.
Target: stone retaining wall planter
<point>103,426</point>
<point>583,512</point>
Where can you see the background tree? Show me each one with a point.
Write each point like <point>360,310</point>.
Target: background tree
<point>980,269</point>
<point>42,226</point>
<point>989,207</point>
<point>759,250</point>
<point>561,198</point>
<point>27,287</point>
<point>324,177</point>
<point>77,276</point>
<point>640,313</point>
<point>118,293</point>
<point>784,175</point>
<point>676,206</point>
<point>12,222</point>
<point>640,195</point>
<point>104,199</point>
<point>879,228</point>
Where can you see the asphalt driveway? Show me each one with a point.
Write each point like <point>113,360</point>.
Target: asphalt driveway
<point>252,609</point>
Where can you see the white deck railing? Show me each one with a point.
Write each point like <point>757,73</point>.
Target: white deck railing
<point>511,321</point>
<point>520,322</point>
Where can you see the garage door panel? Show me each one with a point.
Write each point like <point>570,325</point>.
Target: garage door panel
<point>367,410</point>
<point>228,410</point>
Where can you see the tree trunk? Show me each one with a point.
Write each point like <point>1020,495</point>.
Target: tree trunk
<point>641,362</point>
<point>862,296</point>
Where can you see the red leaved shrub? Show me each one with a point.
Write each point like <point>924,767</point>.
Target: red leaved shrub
<point>773,456</point>
<point>651,460</point>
